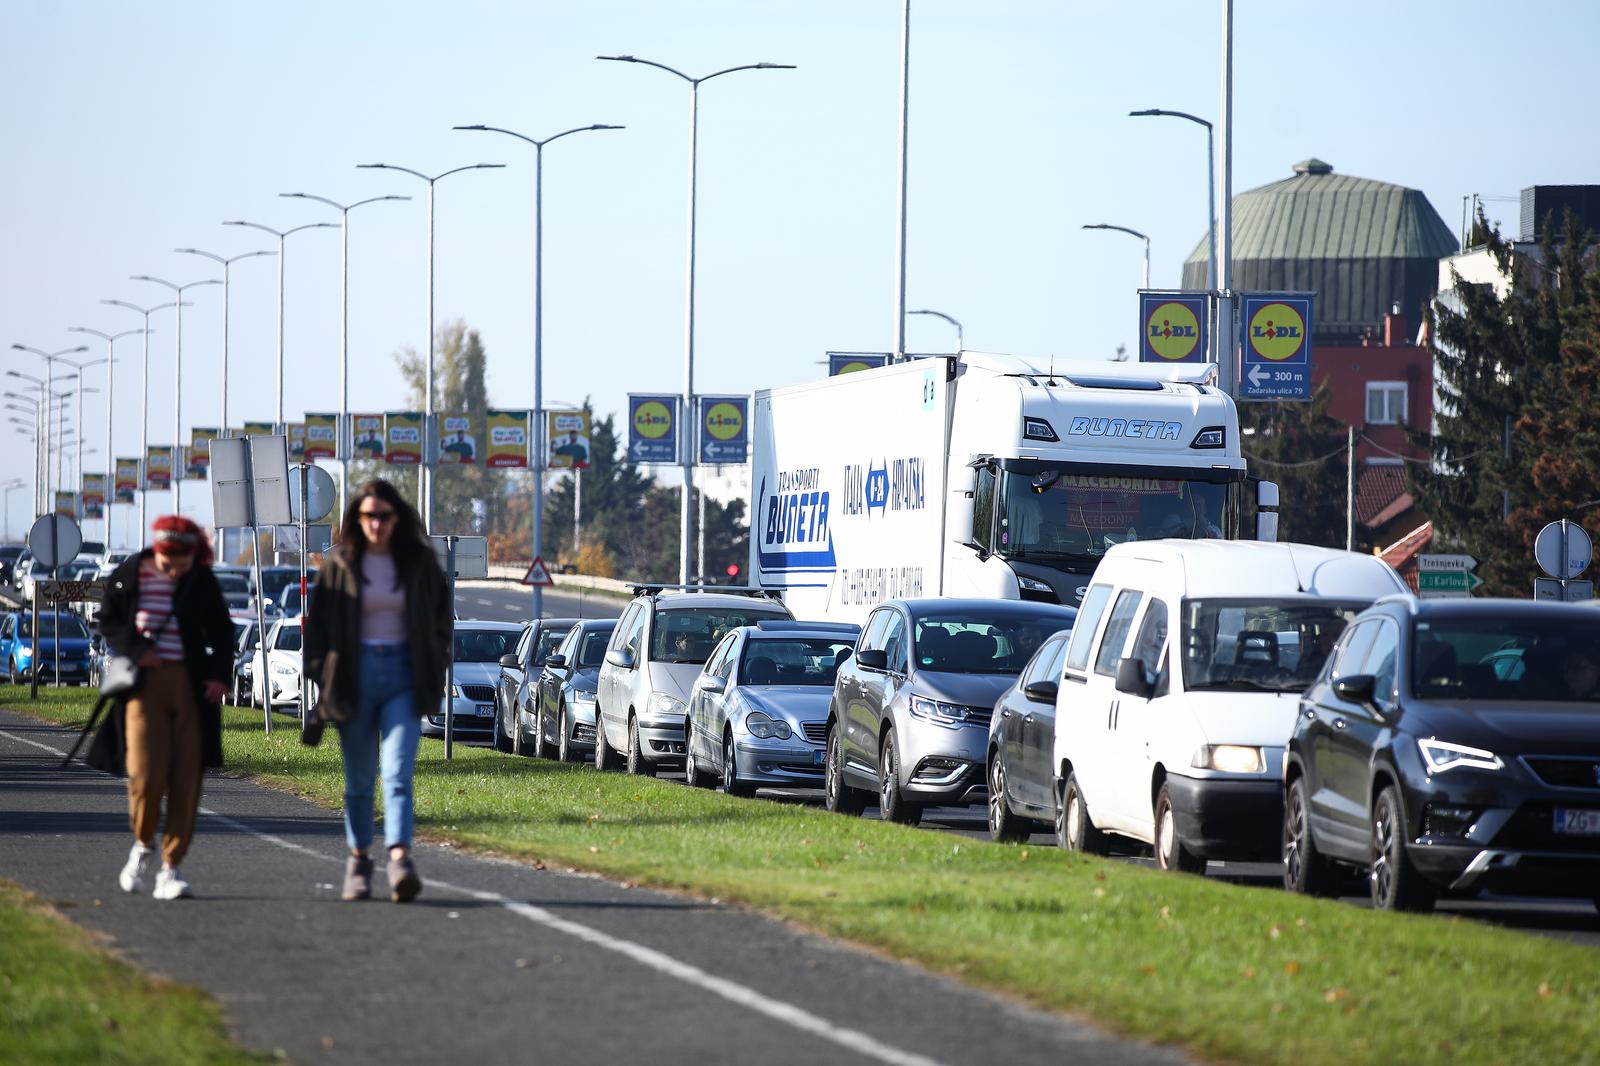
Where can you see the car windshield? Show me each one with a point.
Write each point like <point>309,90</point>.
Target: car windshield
<point>1052,513</point>
<point>71,626</point>
<point>484,645</point>
<point>792,660</point>
<point>1513,659</point>
<point>288,639</point>
<point>275,579</point>
<point>1271,645</point>
<point>690,634</point>
<point>592,652</point>
<point>234,584</point>
<point>965,644</point>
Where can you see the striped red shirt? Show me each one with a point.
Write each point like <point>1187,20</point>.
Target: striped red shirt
<point>155,608</point>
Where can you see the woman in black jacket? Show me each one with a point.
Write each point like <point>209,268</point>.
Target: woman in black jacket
<point>164,609</point>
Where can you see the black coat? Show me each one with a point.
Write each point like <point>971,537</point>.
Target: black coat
<point>201,615</point>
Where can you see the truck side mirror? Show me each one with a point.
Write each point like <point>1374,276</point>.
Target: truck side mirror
<point>1132,679</point>
<point>1266,494</point>
<point>1267,526</point>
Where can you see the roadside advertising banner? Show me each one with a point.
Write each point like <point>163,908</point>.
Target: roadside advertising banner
<point>260,429</point>
<point>1172,327</point>
<point>322,437</point>
<point>94,496</point>
<point>1275,346</point>
<point>508,440</point>
<point>67,503</point>
<point>158,468</point>
<point>458,442</point>
<point>724,429</point>
<point>569,440</point>
<point>652,428</point>
<point>850,362</point>
<point>297,441</point>
<point>403,437</point>
<point>197,457</point>
<point>367,436</point>
<point>127,485</point>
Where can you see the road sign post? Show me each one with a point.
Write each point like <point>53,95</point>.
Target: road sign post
<point>54,539</point>
<point>466,557</point>
<point>250,488</point>
<point>1563,550</point>
<point>1446,576</point>
<point>311,496</point>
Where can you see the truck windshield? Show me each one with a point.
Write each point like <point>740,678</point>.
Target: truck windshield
<point>1271,645</point>
<point>1057,513</point>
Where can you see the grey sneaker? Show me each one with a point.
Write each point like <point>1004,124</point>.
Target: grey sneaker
<point>357,877</point>
<point>404,884</point>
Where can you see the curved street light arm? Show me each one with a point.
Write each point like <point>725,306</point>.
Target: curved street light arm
<point>214,257</point>
<point>471,166</point>
<point>336,205</point>
<point>1119,229</point>
<point>110,338</point>
<point>578,129</point>
<point>254,225</point>
<point>748,66</point>
<point>648,63</point>
<point>50,355</point>
<point>538,143</point>
<point>392,166</point>
<point>1159,112</point>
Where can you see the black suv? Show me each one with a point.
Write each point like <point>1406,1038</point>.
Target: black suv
<point>1450,747</point>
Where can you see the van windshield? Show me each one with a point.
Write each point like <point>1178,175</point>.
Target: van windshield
<point>1054,513</point>
<point>1270,645</point>
<point>690,634</point>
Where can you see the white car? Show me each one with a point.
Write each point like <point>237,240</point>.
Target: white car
<point>479,647</point>
<point>281,674</point>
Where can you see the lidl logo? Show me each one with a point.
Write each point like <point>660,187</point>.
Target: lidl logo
<point>724,421</point>
<point>1172,330</point>
<point>1277,332</point>
<point>652,420</point>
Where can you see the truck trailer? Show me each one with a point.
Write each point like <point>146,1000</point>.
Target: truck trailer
<point>987,475</point>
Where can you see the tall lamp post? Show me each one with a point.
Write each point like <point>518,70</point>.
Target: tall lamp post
<point>1131,233</point>
<point>50,360</point>
<point>1211,196</point>
<point>344,436</point>
<point>8,488</point>
<point>538,330</point>
<point>428,433</point>
<point>111,340</point>
<point>144,403</point>
<point>178,466</point>
<point>36,410</point>
<point>227,277</point>
<point>688,329</point>
<point>961,344</point>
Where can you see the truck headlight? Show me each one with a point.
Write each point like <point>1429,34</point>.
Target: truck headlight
<point>766,727</point>
<point>1441,755</point>
<point>1032,585</point>
<point>1229,759</point>
<point>663,705</point>
<point>1210,437</point>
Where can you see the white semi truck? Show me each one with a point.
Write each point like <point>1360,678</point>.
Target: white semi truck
<point>986,476</point>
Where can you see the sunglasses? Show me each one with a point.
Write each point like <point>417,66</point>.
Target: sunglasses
<point>379,517</point>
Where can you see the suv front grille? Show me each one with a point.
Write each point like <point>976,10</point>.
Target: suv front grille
<point>980,716</point>
<point>1565,772</point>
<point>1532,828</point>
<point>478,693</point>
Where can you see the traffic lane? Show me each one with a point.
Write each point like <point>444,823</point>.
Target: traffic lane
<point>495,604</point>
<point>504,956</point>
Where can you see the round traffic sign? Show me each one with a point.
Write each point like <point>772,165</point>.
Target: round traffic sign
<point>54,539</point>
<point>319,492</point>
<point>1563,549</point>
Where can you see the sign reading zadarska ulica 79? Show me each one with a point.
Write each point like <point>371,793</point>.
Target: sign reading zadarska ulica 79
<point>569,440</point>
<point>403,435</point>
<point>1275,344</point>
<point>322,437</point>
<point>652,428</point>
<point>724,429</point>
<point>1172,327</point>
<point>508,440</point>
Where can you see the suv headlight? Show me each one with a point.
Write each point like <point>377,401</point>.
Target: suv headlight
<point>1441,755</point>
<point>663,705</point>
<point>949,715</point>
<point>582,696</point>
<point>1229,759</point>
<point>766,727</point>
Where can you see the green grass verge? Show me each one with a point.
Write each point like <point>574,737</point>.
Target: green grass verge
<point>1249,974</point>
<point>63,1000</point>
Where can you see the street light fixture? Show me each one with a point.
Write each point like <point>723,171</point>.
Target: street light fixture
<point>428,433</point>
<point>144,402</point>
<point>961,344</point>
<point>111,375</point>
<point>227,264</point>
<point>1131,233</point>
<point>50,359</point>
<point>177,470</point>
<point>688,330</point>
<point>1211,182</point>
<point>538,330</point>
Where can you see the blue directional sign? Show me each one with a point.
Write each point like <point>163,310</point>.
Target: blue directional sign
<point>1275,342</point>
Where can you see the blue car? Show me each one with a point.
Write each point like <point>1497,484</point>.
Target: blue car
<point>16,647</point>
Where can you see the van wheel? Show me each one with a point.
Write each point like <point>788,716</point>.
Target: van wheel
<point>892,806</point>
<point>1075,830</point>
<point>1305,869</point>
<point>838,796</point>
<point>637,764</point>
<point>1171,854</point>
<point>1396,884</point>
<point>605,756</point>
<point>1004,827</point>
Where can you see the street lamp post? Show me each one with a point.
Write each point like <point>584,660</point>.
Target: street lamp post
<point>1211,197</point>
<point>961,344</point>
<point>1131,233</point>
<point>144,403</point>
<point>111,375</point>
<point>343,436</point>
<point>38,432</point>
<point>688,330</point>
<point>50,359</point>
<point>428,433</point>
<point>8,488</point>
<point>538,330</point>
<point>227,265</point>
<point>178,466</point>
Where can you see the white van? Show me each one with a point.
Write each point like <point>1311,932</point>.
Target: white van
<point>1180,686</point>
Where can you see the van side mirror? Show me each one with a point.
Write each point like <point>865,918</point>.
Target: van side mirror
<point>872,659</point>
<point>620,657</point>
<point>1040,691</point>
<point>1132,679</point>
<point>1359,689</point>
<point>509,661</point>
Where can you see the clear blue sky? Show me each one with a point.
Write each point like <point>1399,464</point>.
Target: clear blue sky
<point>133,129</point>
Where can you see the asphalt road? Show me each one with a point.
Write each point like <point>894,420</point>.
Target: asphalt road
<point>497,962</point>
<point>495,604</point>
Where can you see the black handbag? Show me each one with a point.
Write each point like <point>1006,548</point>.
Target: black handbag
<point>108,751</point>
<point>120,675</point>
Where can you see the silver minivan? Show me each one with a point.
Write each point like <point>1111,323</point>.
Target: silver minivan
<point>654,656</point>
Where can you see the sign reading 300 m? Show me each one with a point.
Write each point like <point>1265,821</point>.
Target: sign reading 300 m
<point>724,429</point>
<point>652,428</point>
<point>1172,327</point>
<point>1275,339</point>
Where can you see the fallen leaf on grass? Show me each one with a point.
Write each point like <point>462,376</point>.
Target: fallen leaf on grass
<point>919,907</point>
<point>1273,932</point>
<point>593,850</point>
<point>1024,854</point>
<point>1544,990</point>
<point>1099,893</point>
<point>1334,995</point>
<point>1291,967</point>
<point>1099,875</point>
<point>1148,971</point>
<point>1249,973</point>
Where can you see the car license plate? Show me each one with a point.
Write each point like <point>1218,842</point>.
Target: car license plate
<point>1580,823</point>
<point>817,757</point>
<point>485,710</point>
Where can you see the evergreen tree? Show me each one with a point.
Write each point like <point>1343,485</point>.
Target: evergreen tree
<point>1302,448</point>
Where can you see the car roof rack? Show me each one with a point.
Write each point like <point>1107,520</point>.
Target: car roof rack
<point>653,589</point>
<point>785,625</point>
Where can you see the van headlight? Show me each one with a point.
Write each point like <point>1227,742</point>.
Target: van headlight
<point>1441,755</point>
<point>663,705</point>
<point>1229,759</point>
<point>766,727</point>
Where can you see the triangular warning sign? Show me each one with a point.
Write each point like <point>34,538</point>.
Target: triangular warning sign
<point>537,574</point>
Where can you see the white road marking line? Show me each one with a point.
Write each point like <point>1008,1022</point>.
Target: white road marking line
<point>805,1021</point>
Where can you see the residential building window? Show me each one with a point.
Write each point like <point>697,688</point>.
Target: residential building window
<point>1386,403</point>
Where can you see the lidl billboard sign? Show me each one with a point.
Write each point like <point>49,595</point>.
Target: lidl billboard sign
<point>1172,327</point>
<point>724,429</point>
<point>652,428</point>
<point>1275,343</point>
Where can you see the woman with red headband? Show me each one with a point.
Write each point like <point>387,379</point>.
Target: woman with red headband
<point>164,609</point>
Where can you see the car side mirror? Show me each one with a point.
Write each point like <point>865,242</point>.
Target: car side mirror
<point>1040,691</point>
<point>710,683</point>
<point>509,661</point>
<point>556,662</point>
<point>620,657</point>
<point>1132,679</point>
<point>872,659</point>
<point>1358,689</point>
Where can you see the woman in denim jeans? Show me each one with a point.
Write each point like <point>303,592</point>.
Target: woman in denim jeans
<point>377,637</point>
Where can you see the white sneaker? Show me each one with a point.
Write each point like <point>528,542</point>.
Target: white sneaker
<point>171,885</point>
<point>132,876</point>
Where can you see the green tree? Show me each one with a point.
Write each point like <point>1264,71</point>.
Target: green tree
<point>1302,448</point>
<point>467,498</point>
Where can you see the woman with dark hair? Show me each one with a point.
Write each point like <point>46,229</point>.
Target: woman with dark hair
<point>164,609</point>
<point>377,640</point>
